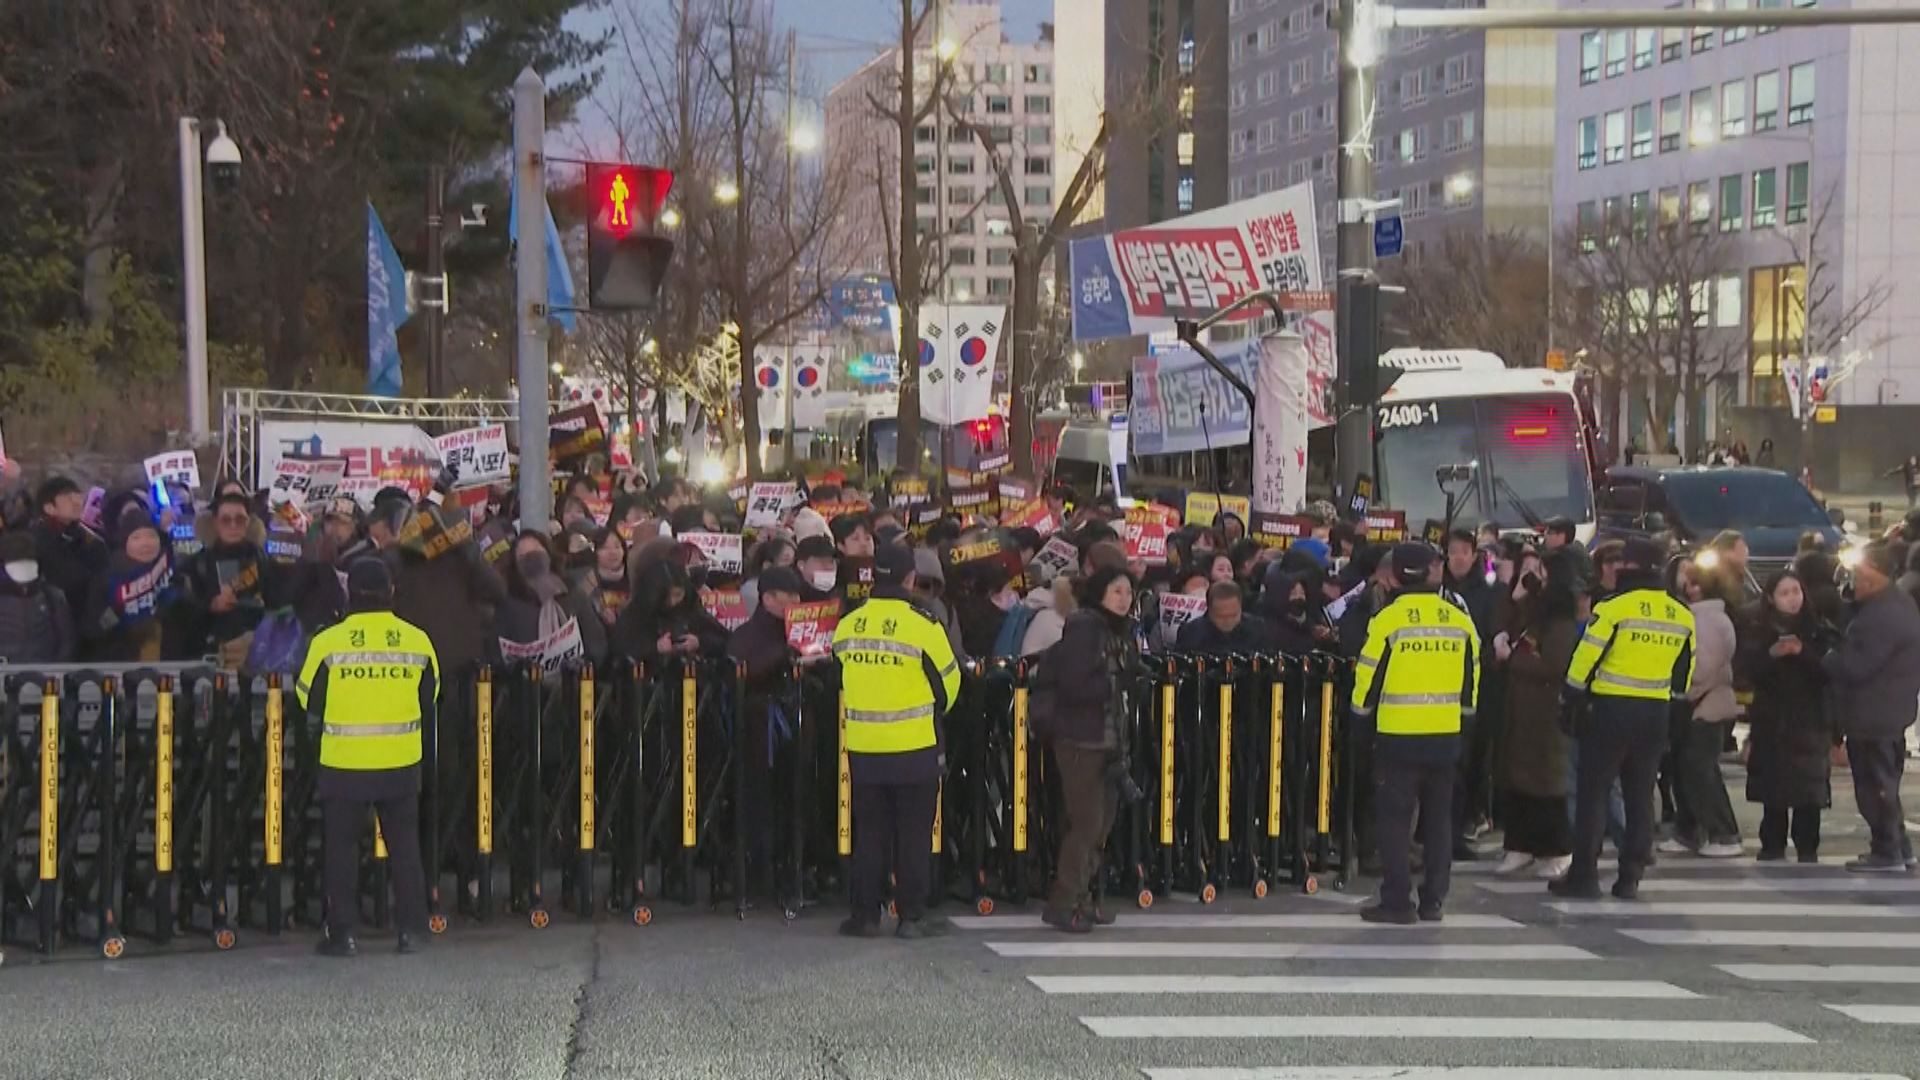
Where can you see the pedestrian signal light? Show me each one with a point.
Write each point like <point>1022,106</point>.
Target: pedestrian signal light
<point>626,261</point>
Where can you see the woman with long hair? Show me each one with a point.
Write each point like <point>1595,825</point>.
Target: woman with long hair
<point>539,604</point>
<point>1781,645</point>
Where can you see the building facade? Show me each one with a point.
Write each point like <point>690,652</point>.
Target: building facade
<point>1783,149</point>
<point>1462,119</point>
<point>1005,86</point>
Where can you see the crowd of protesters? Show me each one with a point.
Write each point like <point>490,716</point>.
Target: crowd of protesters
<point>129,577</point>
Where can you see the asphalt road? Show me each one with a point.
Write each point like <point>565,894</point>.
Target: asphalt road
<point>1727,968</point>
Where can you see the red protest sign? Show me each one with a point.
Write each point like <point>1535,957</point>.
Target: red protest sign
<point>810,627</point>
<point>1147,541</point>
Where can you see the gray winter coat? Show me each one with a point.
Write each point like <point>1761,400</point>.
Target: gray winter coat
<point>1876,668</point>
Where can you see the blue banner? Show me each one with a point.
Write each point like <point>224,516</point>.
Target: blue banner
<point>1099,303</point>
<point>386,309</point>
<point>862,303</point>
<point>559,275</point>
<point>1180,404</point>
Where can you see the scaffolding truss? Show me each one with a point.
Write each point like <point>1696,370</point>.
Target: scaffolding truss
<point>243,409</point>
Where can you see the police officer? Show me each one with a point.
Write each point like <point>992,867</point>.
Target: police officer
<point>899,677</point>
<point>1633,662</point>
<point>1417,677</point>
<point>372,680</point>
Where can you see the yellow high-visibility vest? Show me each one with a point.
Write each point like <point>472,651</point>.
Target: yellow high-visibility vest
<point>1420,668</point>
<point>885,647</point>
<point>1633,648</point>
<point>372,663</point>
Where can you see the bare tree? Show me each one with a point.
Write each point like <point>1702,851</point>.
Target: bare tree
<point>1640,300</point>
<point>1830,317</point>
<point>1476,292</point>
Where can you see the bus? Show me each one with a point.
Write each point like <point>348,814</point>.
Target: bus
<point>1519,441</point>
<point>866,435</point>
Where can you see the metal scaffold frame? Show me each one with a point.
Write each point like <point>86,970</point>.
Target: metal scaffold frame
<point>242,410</point>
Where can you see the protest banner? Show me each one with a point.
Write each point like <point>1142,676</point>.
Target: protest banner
<point>551,652</point>
<point>727,607</point>
<point>1279,530</point>
<point>427,533</point>
<point>1203,507</point>
<point>810,627</point>
<point>302,482</point>
<point>1385,526</point>
<point>1179,609</point>
<point>575,433</point>
<point>1153,514</point>
<point>768,500</point>
<point>977,499</point>
<point>476,455</point>
<point>909,491</point>
<point>1146,541</point>
<point>173,467</point>
<point>990,550</point>
<point>1059,556</point>
<point>136,595</point>
<point>856,579</point>
<point>496,540</point>
<point>723,551</point>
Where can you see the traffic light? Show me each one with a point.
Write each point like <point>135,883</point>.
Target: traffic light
<point>626,262</point>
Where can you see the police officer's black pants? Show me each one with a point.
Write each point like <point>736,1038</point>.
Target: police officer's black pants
<point>1404,784</point>
<point>1621,738</point>
<point>346,824</point>
<point>892,831</point>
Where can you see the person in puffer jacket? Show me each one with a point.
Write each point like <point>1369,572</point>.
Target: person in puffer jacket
<point>36,622</point>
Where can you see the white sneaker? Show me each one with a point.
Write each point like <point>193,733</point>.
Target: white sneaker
<point>1673,845</point>
<point>1515,862</point>
<point>1555,867</point>
<point>1722,851</point>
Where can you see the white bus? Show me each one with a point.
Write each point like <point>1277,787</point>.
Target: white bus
<point>1525,434</point>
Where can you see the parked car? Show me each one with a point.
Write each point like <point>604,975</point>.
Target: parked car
<point>1692,503</point>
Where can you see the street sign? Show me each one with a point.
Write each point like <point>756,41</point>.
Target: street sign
<point>1387,237</point>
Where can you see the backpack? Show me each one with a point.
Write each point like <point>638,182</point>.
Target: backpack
<point>1013,631</point>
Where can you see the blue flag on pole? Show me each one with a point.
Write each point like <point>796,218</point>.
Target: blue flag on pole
<point>559,274</point>
<point>386,309</point>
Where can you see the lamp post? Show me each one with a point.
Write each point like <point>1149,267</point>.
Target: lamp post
<point>223,157</point>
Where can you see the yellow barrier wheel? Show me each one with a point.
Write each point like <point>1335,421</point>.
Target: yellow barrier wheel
<point>1145,899</point>
<point>437,923</point>
<point>1208,894</point>
<point>642,915</point>
<point>1312,885</point>
<point>1260,889</point>
<point>539,918</point>
<point>984,905</point>
<point>113,947</point>
<point>223,939</point>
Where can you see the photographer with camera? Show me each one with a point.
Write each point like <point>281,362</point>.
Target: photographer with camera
<point>1094,668</point>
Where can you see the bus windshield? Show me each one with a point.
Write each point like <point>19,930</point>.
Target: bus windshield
<point>1529,466</point>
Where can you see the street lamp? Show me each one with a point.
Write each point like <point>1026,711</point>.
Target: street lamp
<point>726,192</point>
<point>804,139</point>
<point>946,50</point>
<point>1460,185</point>
<point>1078,360</point>
<point>223,162</point>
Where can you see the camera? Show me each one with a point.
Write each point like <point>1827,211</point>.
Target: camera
<point>223,160</point>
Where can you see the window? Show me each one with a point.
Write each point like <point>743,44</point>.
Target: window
<point>1299,123</point>
<point>1329,63</point>
<point>1000,256</point>
<point>1669,207</point>
<point>924,133</point>
<point>1186,102</point>
<point>1613,223</point>
<point>1237,97</point>
<point>1763,198</point>
<point>1297,23</point>
<point>1038,136</point>
<point>1616,134</point>
<point>1039,166</point>
<point>1643,129</point>
<point>1700,302</point>
<point>1766,100</point>
<point>1643,48</point>
<point>1237,142</point>
<point>1587,224</point>
<point>960,226</point>
<point>1413,87</point>
<point>1460,75</point>
<point>1297,172</point>
<point>997,73</point>
<point>1384,151</point>
<point>1588,147</point>
<point>999,104</point>
<point>1732,198</point>
<point>994,198</point>
<point>1039,103</point>
<point>1590,57</point>
<point>923,165</point>
<point>1299,73</point>
<point>1797,184</point>
<point>1726,300</point>
<point>1413,143</point>
<point>1733,33</point>
<point>1269,85</point>
<point>1037,195</point>
<point>1460,195</point>
<point>1616,53</point>
<point>960,288</point>
<point>1702,35</point>
<point>1038,73</point>
<point>1002,134</point>
<point>1671,122</point>
<point>960,196</point>
<point>1325,113</point>
<point>1269,131</point>
<point>999,286</point>
<point>1699,205</point>
<point>1764,5</point>
<point>1183,148</point>
<point>923,195</point>
<point>960,166</point>
<point>1672,43</point>
<point>962,256</point>
<point>1733,109</point>
<point>1800,94</point>
<point>1413,202</point>
<point>1700,129</point>
<point>1269,33</point>
<point>1456,132</point>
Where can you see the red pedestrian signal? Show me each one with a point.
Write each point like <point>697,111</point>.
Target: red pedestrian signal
<point>626,261</point>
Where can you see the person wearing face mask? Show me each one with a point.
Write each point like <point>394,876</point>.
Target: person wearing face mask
<point>70,556</point>
<point>814,559</point>
<point>132,605</point>
<point>664,618</point>
<point>316,586</point>
<point>1295,615</point>
<point>604,582</point>
<point>539,604</point>
<point>36,623</point>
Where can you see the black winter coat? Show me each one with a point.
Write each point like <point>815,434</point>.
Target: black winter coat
<point>1792,734</point>
<point>1093,667</point>
<point>1251,636</point>
<point>70,559</point>
<point>36,624</point>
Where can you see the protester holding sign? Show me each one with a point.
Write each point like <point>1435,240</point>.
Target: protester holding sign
<point>71,558</point>
<point>229,586</point>
<point>540,611</point>
<point>665,618</point>
<point>129,606</point>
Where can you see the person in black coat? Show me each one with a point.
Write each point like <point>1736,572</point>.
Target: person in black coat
<point>1226,629</point>
<point>36,623</point>
<point>1782,642</point>
<point>70,555</point>
<point>664,618</point>
<point>1875,671</point>
<point>772,697</point>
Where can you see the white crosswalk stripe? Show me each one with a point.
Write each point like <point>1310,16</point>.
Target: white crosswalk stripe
<point>1438,1027</point>
<point>1488,1072</point>
<point>1880,1014</point>
<point>1616,909</point>
<point>1127,948</point>
<point>1773,884</point>
<point>1003,923</point>
<point>1785,939</point>
<point>1824,973</point>
<point>1348,984</point>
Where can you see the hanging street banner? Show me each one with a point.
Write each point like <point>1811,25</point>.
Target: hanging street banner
<point>769,380</point>
<point>1280,432</point>
<point>958,347</point>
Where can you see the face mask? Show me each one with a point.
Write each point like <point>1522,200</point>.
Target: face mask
<point>26,572</point>
<point>823,580</point>
<point>534,564</point>
<point>1297,606</point>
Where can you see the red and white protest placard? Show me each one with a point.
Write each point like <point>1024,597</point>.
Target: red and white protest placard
<point>768,500</point>
<point>1147,542</point>
<point>727,607</point>
<point>305,481</point>
<point>174,467</point>
<point>1059,556</point>
<point>476,455</point>
<point>722,550</point>
<point>810,627</point>
<point>1179,609</point>
<point>551,652</point>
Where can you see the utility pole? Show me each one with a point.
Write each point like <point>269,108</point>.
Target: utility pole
<point>786,278</point>
<point>1357,342</point>
<point>530,296</point>
<point>193,244</point>
<point>435,301</point>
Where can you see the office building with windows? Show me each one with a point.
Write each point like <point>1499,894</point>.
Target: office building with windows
<point>1462,128</point>
<point>1775,149</point>
<point>1006,86</point>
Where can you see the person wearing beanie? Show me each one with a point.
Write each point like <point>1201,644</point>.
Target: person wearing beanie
<point>1876,669</point>
<point>373,682</point>
<point>1416,680</point>
<point>1634,660</point>
<point>36,623</point>
<point>130,612</point>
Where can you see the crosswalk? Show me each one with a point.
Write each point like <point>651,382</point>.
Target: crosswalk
<point>1690,976</point>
